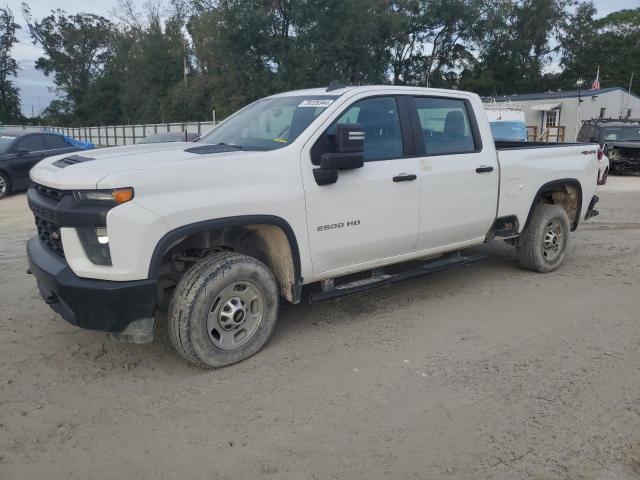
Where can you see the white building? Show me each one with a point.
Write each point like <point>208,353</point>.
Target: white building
<point>557,116</point>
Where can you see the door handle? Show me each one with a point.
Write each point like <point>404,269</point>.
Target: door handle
<point>484,169</point>
<point>404,177</point>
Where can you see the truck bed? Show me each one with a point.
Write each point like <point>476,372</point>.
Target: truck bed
<point>526,167</point>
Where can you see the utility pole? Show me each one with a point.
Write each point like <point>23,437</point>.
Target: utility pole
<point>184,94</point>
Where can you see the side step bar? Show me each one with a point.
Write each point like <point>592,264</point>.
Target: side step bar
<point>379,279</point>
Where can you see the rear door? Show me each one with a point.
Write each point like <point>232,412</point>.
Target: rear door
<point>372,212</point>
<point>459,175</point>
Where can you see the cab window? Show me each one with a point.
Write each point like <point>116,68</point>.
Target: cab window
<point>379,119</point>
<point>445,125</point>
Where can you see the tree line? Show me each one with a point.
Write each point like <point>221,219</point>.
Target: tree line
<point>180,60</point>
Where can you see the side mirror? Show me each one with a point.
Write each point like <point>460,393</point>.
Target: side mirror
<point>349,138</point>
<point>349,154</point>
<point>21,151</point>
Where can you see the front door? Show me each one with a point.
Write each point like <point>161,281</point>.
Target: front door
<point>372,212</point>
<point>459,176</point>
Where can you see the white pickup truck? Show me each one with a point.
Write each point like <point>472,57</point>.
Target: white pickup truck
<point>302,195</point>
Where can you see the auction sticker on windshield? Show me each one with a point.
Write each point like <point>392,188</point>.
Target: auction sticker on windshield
<point>315,103</point>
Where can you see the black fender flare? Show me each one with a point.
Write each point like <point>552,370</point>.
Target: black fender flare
<point>549,186</point>
<point>184,231</point>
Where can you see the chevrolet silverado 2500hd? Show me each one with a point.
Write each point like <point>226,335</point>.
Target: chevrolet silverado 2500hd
<point>312,193</point>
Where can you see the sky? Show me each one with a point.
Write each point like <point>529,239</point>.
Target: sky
<point>36,88</point>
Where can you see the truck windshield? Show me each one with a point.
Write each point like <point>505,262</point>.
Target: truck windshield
<point>623,134</point>
<point>268,124</point>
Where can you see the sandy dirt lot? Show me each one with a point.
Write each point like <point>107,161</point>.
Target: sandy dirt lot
<point>487,372</point>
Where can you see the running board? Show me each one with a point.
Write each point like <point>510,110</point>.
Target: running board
<point>379,279</point>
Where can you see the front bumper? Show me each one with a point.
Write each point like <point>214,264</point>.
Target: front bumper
<point>625,165</point>
<point>92,304</point>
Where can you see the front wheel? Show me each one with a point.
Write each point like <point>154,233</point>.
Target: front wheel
<point>543,245</point>
<point>223,310</point>
<point>5,185</point>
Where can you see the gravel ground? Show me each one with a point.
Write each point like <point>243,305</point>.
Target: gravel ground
<point>488,372</point>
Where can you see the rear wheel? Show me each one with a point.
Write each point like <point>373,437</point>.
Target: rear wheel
<point>5,185</point>
<point>223,310</point>
<point>543,245</point>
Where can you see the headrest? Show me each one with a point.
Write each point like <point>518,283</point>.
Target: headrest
<point>454,125</point>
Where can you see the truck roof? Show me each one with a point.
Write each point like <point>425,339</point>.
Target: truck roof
<point>341,90</point>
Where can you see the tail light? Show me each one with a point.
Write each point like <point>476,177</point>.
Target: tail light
<point>600,154</point>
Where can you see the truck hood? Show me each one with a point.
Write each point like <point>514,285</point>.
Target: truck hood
<point>94,165</point>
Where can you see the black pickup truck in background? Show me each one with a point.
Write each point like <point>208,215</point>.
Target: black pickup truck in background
<point>619,139</point>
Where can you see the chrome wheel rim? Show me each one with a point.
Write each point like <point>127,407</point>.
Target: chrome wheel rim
<point>554,239</point>
<point>3,186</point>
<point>235,315</point>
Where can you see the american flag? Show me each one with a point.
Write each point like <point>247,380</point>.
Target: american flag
<point>596,83</point>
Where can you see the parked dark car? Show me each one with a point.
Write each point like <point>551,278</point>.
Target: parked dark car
<point>170,137</point>
<point>619,139</point>
<point>20,151</point>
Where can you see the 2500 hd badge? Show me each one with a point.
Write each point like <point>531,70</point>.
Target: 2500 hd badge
<point>351,223</point>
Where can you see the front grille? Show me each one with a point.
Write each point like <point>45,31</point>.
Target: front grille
<point>49,234</point>
<point>49,192</point>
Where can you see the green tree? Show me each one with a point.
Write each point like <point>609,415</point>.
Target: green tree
<point>515,46</point>
<point>76,49</point>
<point>610,43</point>
<point>432,40</point>
<point>9,93</point>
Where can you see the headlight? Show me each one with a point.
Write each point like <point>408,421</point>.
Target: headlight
<point>116,196</point>
<point>95,242</point>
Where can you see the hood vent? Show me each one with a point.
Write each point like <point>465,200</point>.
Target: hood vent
<point>72,160</point>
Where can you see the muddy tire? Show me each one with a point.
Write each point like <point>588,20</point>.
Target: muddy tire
<point>543,245</point>
<point>223,310</point>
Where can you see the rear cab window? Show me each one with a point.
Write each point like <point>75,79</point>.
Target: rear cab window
<point>446,126</point>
